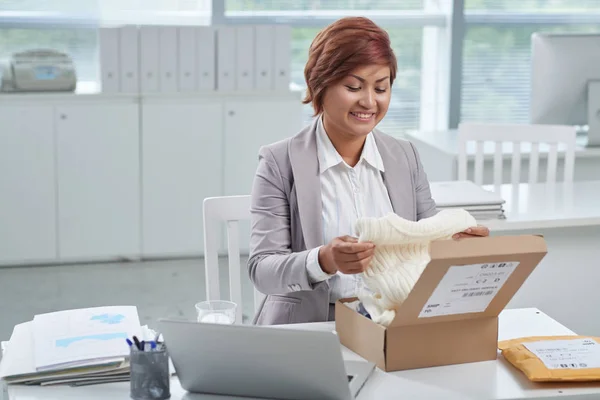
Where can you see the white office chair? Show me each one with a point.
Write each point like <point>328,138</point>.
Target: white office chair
<point>552,135</point>
<point>231,210</point>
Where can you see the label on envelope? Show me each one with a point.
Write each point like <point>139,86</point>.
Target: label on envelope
<point>566,353</point>
<point>467,288</point>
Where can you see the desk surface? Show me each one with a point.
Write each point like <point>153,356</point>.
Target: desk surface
<point>447,142</point>
<point>547,206</point>
<point>483,380</point>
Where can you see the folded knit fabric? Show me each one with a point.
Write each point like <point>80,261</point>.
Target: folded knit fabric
<point>401,255</point>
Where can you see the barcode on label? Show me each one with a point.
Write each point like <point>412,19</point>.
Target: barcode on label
<point>482,293</point>
<point>570,365</point>
<point>499,265</point>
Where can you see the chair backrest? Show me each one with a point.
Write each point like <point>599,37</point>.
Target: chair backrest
<point>534,135</point>
<point>216,211</point>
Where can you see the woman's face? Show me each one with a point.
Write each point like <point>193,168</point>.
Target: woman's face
<point>356,104</point>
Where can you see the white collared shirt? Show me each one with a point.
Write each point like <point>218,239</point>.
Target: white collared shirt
<point>347,193</point>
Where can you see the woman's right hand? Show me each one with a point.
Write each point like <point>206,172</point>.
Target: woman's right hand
<point>346,255</point>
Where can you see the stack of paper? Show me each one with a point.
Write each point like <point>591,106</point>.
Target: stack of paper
<point>482,204</point>
<point>78,347</point>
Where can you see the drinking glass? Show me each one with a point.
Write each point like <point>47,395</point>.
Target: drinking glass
<point>216,311</point>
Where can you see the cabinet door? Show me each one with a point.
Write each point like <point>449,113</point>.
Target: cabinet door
<point>248,126</point>
<point>182,164</point>
<point>98,180</point>
<point>27,184</point>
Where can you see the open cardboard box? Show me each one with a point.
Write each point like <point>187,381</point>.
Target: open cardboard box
<point>451,314</point>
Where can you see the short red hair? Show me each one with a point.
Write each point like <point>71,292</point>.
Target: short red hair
<point>341,47</point>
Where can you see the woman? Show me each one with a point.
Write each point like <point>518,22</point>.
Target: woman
<point>310,189</point>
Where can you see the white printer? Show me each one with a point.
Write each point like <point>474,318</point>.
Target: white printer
<point>42,70</point>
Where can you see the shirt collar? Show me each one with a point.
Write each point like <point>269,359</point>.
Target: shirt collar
<point>329,157</point>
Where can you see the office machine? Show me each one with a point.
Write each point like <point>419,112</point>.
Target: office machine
<point>38,71</point>
<point>262,361</point>
<point>565,81</point>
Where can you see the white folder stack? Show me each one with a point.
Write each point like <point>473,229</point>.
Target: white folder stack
<point>172,59</point>
<point>482,204</point>
<point>76,347</point>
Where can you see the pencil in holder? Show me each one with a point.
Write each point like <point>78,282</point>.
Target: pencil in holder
<point>150,379</point>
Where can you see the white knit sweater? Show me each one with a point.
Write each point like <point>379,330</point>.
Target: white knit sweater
<point>401,255</point>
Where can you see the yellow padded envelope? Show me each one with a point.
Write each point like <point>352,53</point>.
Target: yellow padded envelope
<point>573,358</point>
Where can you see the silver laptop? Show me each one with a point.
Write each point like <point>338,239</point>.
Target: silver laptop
<point>259,361</point>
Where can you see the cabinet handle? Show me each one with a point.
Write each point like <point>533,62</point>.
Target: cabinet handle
<point>231,113</point>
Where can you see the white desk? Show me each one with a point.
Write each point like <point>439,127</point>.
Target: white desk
<point>439,153</point>
<point>548,206</point>
<point>495,379</point>
<point>565,284</point>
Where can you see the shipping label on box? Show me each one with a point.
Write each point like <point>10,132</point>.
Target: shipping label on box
<point>467,288</point>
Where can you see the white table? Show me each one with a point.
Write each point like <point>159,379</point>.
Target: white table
<point>495,379</point>
<point>565,284</point>
<point>548,206</point>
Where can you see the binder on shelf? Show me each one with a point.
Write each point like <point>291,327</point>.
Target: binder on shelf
<point>283,57</point>
<point>226,51</point>
<point>149,59</point>
<point>168,59</point>
<point>264,45</point>
<point>128,59</point>
<point>187,58</point>
<point>109,60</point>
<point>244,64</point>
<point>205,58</point>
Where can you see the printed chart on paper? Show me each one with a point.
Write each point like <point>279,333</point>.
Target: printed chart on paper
<point>467,288</point>
<point>70,336</point>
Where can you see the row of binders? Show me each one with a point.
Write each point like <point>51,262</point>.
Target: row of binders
<point>148,59</point>
<point>482,204</point>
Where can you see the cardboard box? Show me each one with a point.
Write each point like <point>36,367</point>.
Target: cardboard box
<point>451,314</point>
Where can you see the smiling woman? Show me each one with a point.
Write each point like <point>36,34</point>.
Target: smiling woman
<point>349,73</point>
<point>309,190</point>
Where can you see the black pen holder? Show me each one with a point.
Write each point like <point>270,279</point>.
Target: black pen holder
<point>150,378</point>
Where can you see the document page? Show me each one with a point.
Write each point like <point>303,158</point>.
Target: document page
<point>78,336</point>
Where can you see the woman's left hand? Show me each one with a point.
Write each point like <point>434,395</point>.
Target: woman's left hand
<point>476,231</point>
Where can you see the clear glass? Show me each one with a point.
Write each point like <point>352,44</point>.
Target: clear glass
<point>216,312</point>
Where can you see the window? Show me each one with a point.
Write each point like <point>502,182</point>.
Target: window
<point>403,20</point>
<point>333,5</point>
<point>496,53</point>
<point>80,43</point>
<point>70,26</point>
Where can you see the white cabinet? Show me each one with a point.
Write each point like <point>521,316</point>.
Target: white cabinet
<point>98,176</point>
<point>182,157</point>
<point>27,184</point>
<point>90,178</point>
<point>250,124</point>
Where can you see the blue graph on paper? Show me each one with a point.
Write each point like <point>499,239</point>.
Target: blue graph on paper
<point>109,319</point>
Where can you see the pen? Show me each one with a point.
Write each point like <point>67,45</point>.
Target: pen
<point>137,343</point>
<point>129,342</point>
<point>143,345</point>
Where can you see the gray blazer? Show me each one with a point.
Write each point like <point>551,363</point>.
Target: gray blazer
<point>286,220</point>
